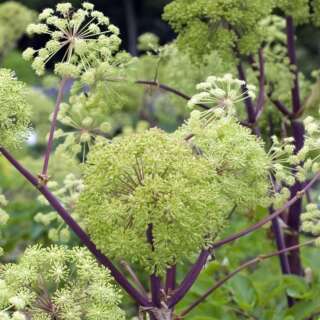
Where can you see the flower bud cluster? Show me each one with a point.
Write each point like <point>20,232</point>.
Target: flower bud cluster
<point>84,37</point>
<point>147,193</point>
<point>15,112</point>
<point>221,94</point>
<point>56,282</point>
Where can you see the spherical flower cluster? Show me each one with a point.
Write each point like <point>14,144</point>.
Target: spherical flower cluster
<point>68,195</point>
<point>204,26</point>
<point>15,112</point>
<point>83,37</point>
<point>150,200</point>
<point>221,94</point>
<point>236,155</point>
<point>57,283</point>
<point>148,42</point>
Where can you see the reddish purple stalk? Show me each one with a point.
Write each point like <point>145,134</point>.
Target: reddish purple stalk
<point>44,173</point>
<point>298,134</point>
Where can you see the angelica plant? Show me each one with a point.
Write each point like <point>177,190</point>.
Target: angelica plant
<point>160,201</point>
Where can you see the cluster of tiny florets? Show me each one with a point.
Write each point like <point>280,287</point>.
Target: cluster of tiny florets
<point>57,283</point>
<point>15,112</point>
<point>220,25</point>
<point>221,94</point>
<point>236,155</point>
<point>84,38</point>
<point>149,199</point>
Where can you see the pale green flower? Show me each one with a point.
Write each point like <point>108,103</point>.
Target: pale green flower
<point>15,112</point>
<point>58,282</point>
<point>236,155</point>
<point>84,37</point>
<point>221,94</point>
<point>151,183</point>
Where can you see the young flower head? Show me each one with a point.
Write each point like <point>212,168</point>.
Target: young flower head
<point>221,94</point>
<point>15,112</point>
<point>145,199</point>
<point>236,155</point>
<point>84,38</point>
<point>58,283</point>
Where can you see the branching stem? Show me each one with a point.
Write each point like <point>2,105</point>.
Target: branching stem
<point>44,173</point>
<point>245,265</point>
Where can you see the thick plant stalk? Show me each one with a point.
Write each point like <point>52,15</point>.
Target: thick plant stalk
<point>44,173</point>
<point>131,26</point>
<point>170,279</point>
<point>82,235</point>
<point>281,245</point>
<point>248,101</point>
<point>155,282</point>
<point>298,134</point>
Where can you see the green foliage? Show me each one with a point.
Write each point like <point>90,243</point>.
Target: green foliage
<point>298,9</point>
<point>15,112</point>
<point>151,182</point>
<point>58,282</point>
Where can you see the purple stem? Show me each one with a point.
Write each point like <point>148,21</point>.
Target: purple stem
<point>84,238</point>
<point>248,101</point>
<point>295,92</point>
<point>284,262</point>
<point>281,107</point>
<point>171,279</point>
<point>155,281</point>
<point>298,134</point>
<point>47,154</point>
<point>189,279</point>
<point>261,98</point>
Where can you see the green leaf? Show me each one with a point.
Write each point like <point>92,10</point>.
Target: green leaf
<point>296,287</point>
<point>244,293</point>
<point>304,309</point>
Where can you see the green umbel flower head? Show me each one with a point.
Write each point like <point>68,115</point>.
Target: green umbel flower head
<point>58,283</point>
<point>222,94</point>
<point>149,199</point>
<point>236,155</point>
<point>15,112</point>
<point>84,38</point>
<point>203,26</point>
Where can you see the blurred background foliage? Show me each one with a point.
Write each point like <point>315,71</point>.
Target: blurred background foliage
<point>139,107</point>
